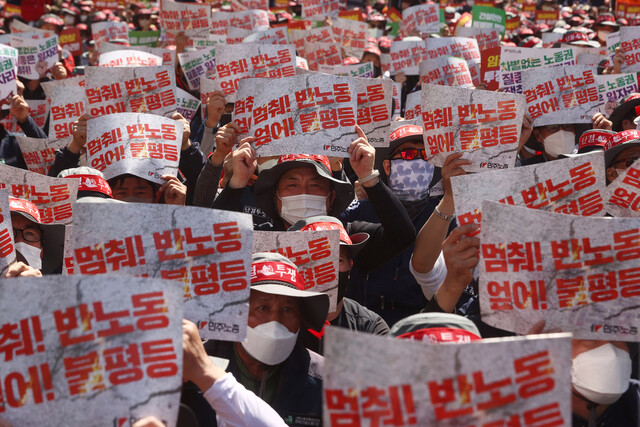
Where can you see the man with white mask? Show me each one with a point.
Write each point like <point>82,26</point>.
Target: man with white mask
<point>603,392</point>
<point>271,362</point>
<point>38,245</point>
<point>555,140</point>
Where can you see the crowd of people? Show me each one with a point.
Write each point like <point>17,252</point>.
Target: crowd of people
<point>405,265</point>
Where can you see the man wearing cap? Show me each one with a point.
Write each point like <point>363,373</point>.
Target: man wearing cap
<point>93,187</point>
<point>605,25</point>
<point>299,186</point>
<point>349,314</point>
<point>436,328</point>
<point>556,139</point>
<point>621,150</point>
<point>390,289</point>
<point>623,116</point>
<point>38,245</point>
<point>271,362</point>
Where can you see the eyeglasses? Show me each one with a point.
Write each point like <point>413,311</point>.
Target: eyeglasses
<point>627,162</point>
<point>556,128</point>
<point>30,234</point>
<point>413,154</point>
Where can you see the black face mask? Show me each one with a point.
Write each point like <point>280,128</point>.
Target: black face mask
<point>343,283</point>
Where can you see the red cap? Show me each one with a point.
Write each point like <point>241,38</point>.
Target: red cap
<point>349,60</point>
<point>607,19</point>
<point>372,48</point>
<point>93,183</point>
<point>575,36</point>
<point>440,335</point>
<point>50,18</point>
<point>324,160</point>
<point>404,131</point>
<point>595,138</point>
<point>25,206</point>
<point>323,226</point>
<point>384,42</point>
<point>622,137</point>
<point>280,271</point>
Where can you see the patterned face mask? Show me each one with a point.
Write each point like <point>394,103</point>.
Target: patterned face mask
<point>410,179</point>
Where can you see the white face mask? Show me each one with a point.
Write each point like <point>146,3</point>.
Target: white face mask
<point>601,374</point>
<point>31,254</point>
<point>410,179</point>
<point>602,35</point>
<point>270,343</point>
<point>295,208</point>
<point>69,20</point>
<point>561,142</point>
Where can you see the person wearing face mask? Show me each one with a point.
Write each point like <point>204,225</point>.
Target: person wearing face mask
<point>142,20</point>
<point>621,151</point>
<point>271,362</point>
<point>389,288</point>
<point>348,314</point>
<point>39,245</point>
<point>603,393</point>
<point>299,186</point>
<point>605,25</point>
<point>372,54</point>
<point>555,140</point>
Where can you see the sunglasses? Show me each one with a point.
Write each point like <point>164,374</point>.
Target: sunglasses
<point>413,154</point>
<point>627,162</point>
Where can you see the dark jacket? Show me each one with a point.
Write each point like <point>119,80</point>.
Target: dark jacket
<point>10,153</point>
<point>298,396</point>
<point>624,412</point>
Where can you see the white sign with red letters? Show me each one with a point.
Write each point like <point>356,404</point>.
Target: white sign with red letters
<point>39,153</point>
<point>423,18</point>
<point>8,75</point>
<point>68,103</point>
<point>622,196</point>
<point>447,71</point>
<point>7,248</point>
<point>369,378</point>
<point>108,31</point>
<point>90,350</point>
<point>578,274</point>
<point>129,58</point>
<point>257,20</point>
<point>406,57</point>
<point>207,252</point>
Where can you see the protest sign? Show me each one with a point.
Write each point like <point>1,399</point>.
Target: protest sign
<point>561,94</point>
<point>270,36</point>
<point>578,274</point>
<point>71,40</point>
<point>8,70</point>
<point>315,253</point>
<point>323,53</point>
<point>512,23</point>
<point>484,125</point>
<point>490,68</point>
<point>550,38</point>
<point>351,35</point>
<point>405,57</point>
<point>460,47</point>
<point>67,104</point>
<point>35,57</point>
<point>236,62</point>
<point>571,186</point>
<point>196,64</point>
<point>311,113</point>
<point>613,42</point>
<point>397,90</point>
<point>374,109</point>
<point>48,87</point>
<point>144,38</point>
<point>210,257</point>
<point>413,107</point>
<point>613,88</point>
<point>207,87</point>
<point>364,69</point>
<point>91,350</point>
<point>423,18</point>
<point>257,20</point>
<point>192,19</point>
<point>486,38</point>
<point>302,63</point>
<point>429,384</point>
<point>621,196</point>
<point>130,89</point>
<point>447,71</point>
<point>109,31</point>
<point>514,60</point>
<point>548,17</point>
<point>38,111</point>
<point>206,42</point>
<point>630,43</point>
<point>236,35</point>
<point>26,30</point>
<point>240,5</point>
<point>489,17</point>
<point>129,58</point>
<point>7,248</point>
<point>144,145</point>
<point>166,54</point>
<point>39,153</point>
<point>54,197</point>
<point>187,104</point>
<point>319,8</point>
<point>302,38</point>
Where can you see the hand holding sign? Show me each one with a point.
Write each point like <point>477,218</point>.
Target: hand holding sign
<point>186,132</point>
<point>79,134</point>
<point>226,138</point>
<point>197,367</point>
<point>363,157</point>
<point>20,269</point>
<point>174,192</point>
<point>244,163</point>
<point>19,108</point>
<point>58,71</point>
<point>215,108</point>
<point>461,256</point>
